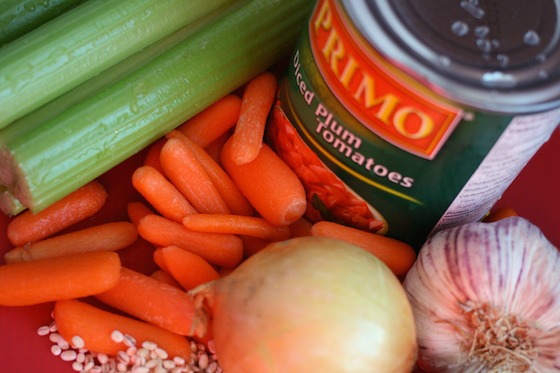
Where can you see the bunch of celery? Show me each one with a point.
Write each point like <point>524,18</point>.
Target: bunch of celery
<point>80,138</point>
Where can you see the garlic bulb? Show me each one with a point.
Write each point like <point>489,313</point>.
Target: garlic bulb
<point>486,298</point>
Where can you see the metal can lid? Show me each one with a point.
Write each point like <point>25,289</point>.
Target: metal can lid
<point>495,55</point>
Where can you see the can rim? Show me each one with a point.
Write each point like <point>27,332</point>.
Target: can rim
<point>517,89</point>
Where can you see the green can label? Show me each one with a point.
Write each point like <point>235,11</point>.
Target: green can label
<point>379,152</point>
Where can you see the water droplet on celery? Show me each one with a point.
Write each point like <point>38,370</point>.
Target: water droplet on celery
<point>29,6</point>
<point>134,109</point>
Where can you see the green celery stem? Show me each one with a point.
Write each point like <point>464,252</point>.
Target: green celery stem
<point>83,42</point>
<point>93,136</point>
<point>98,83</point>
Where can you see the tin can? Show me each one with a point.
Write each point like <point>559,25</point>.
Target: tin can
<point>407,117</point>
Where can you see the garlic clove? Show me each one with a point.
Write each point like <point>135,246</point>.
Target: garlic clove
<point>486,297</point>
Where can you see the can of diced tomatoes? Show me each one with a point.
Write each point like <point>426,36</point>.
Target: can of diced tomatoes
<point>405,117</point>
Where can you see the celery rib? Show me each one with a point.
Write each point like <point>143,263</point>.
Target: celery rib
<point>98,133</point>
<point>107,78</point>
<point>83,42</point>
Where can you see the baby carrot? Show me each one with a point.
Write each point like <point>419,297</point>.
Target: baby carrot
<point>190,270</point>
<point>158,259</point>
<point>212,122</point>
<point>165,277</point>
<point>75,207</point>
<point>95,326</point>
<point>397,255</point>
<point>224,250</point>
<point>258,97</point>
<point>236,224</point>
<point>152,156</point>
<point>499,214</point>
<point>271,187</point>
<point>137,210</point>
<point>103,237</point>
<point>188,175</point>
<point>232,196</point>
<point>168,307</point>
<point>161,193</point>
<point>65,277</point>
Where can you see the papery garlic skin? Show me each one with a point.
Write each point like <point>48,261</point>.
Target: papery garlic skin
<point>486,298</point>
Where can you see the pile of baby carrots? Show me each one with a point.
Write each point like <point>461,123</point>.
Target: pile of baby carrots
<point>212,194</point>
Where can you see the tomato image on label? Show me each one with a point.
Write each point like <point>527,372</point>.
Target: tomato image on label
<point>329,198</point>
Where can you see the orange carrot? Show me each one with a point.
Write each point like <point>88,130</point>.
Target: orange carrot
<point>158,259</point>
<point>161,193</point>
<point>224,250</point>
<point>232,196</point>
<point>190,270</point>
<point>152,156</point>
<point>397,255</point>
<point>236,224</point>
<point>75,207</point>
<point>258,97</point>
<point>168,307</point>
<point>271,187</point>
<point>104,237</point>
<point>301,228</point>
<point>136,211</point>
<point>499,214</point>
<point>65,277</point>
<point>212,122</point>
<point>94,326</point>
<point>188,175</point>
<point>165,277</point>
<point>252,245</point>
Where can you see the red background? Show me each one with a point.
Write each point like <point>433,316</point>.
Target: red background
<point>534,194</point>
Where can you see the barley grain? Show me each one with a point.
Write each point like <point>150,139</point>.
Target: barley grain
<point>77,342</point>
<point>117,336</point>
<point>68,355</point>
<point>56,350</point>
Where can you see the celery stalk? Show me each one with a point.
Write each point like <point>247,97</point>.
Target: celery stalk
<point>9,205</point>
<point>107,78</point>
<point>93,136</point>
<point>83,42</point>
<point>18,17</point>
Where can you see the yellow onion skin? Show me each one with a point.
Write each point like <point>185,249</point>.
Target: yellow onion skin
<point>486,298</point>
<point>312,304</point>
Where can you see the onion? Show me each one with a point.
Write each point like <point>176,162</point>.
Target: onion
<point>310,304</point>
<point>486,298</point>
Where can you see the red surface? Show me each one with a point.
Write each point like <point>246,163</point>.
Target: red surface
<point>534,194</point>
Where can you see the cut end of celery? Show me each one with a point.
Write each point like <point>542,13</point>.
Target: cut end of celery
<point>9,204</point>
<point>14,195</point>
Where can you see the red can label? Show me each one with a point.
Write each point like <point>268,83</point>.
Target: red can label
<point>377,99</point>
